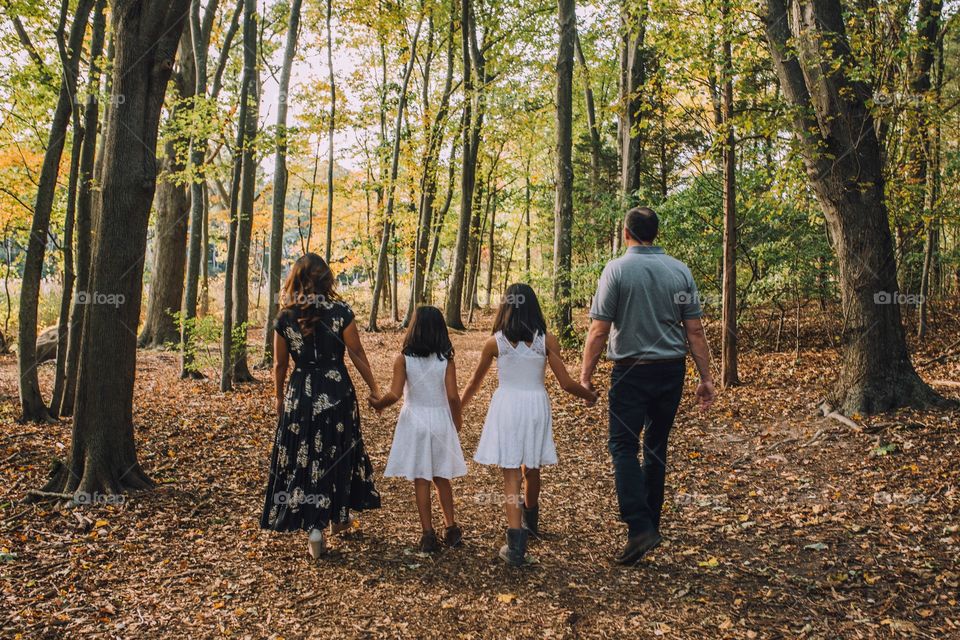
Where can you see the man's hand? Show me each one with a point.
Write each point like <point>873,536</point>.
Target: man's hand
<point>706,394</point>
<point>588,384</point>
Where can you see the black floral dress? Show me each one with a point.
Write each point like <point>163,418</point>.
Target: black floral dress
<point>319,470</point>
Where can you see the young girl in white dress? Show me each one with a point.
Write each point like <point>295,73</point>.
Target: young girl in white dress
<point>426,447</point>
<point>518,432</point>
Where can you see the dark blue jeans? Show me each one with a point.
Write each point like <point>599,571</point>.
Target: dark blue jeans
<point>643,400</point>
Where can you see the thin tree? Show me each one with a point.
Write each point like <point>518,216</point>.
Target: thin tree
<point>33,408</point>
<point>563,208</point>
<point>280,174</point>
<point>332,130</point>
<point>728,360</point>
<point>382,267</point>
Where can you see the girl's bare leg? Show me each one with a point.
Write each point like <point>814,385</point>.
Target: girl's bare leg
<point>531,488</point>
<point>421,489</point>
<point>445,493</point>
<point>512,479</point>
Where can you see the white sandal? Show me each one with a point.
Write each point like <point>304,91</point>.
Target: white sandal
<point>316,544</point>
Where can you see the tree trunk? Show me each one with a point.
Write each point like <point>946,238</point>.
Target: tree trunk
<point>173,210</point>
<point>438,225</point>
<point>103,457</point>
<point>241,275</point>
<point>632,78</point>
<point>932,202</point>
<point>382,269</point>
<point>91,118</point>
<point>563,208</point>
<point>200,31</point>
<point>595,145</point>
<point>31,401</point>
<point>843,160</point>
<point>332,130</point>
<point>69,272</point>
<point>473,64</point>
<point>280,183</point>
<point>728,359</point>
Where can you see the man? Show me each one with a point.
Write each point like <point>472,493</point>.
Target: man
<point>648,306</point>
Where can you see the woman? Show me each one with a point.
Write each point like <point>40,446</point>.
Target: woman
<point>319,470</point>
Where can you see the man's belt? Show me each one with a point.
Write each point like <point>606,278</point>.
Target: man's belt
<point>630,362</point>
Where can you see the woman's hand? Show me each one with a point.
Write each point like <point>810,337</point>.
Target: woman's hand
<point>375,403</point>
<point>279,406</point>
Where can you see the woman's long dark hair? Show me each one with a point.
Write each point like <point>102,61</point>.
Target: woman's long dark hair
<point>308,291</point>
<point>519,316</point>
<point>427,335</point>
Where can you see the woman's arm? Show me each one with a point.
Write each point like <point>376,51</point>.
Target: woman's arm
<point>453,394</point>
<point>351,338</point>
<point>567,383</point>
<point>486,359</point>
<point>281,360</point>
<point>396,386</point>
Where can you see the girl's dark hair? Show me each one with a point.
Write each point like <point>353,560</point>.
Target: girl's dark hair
<point>308,291</point>
<point>427,335</point>
<point>519,316</point>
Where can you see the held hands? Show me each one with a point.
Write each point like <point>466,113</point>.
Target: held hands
<point>588,385</point>
<point>376,402</point>
<point>706,394</point>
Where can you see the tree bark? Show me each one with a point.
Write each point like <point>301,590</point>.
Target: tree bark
<point>382,269</point>
<point>473,65</point>
<point>842,155</point>
<point>33,408</point>
<point>280,183</point>
<point>200,30</point>
<point>563,207</point>
<point>632,79</point>
<point>173,211</point>
<point>331,131</point>
<point>103,457</point>
<point>241,276</point>
<point>85,181</point>
<point>728,359</point>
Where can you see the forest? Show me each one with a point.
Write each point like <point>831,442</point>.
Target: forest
<point>163,164</point>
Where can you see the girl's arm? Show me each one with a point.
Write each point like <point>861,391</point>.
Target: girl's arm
<point>567,383</point>
<point>351,338</point>
<point>453,394</point>
<point>486,359</point>
<point>281,360</point>
<point>396,386</point>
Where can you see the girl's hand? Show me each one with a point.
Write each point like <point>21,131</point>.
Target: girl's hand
<point>374,403</point>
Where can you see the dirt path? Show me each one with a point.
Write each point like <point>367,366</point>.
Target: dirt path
<point>778,523</point>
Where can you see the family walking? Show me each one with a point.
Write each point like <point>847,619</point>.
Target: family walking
<point>645,314</point>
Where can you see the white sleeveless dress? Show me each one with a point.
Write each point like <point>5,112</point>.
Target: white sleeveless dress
<point>425,443</point>
<point>519,425</point>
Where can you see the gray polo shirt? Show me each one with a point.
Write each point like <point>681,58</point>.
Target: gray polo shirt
<point>646,295</point>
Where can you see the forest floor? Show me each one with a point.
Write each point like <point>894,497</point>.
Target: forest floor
<point>778,523</point>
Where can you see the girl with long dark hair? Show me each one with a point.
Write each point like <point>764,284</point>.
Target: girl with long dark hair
<point>518,432</point>
<point>319,470</point>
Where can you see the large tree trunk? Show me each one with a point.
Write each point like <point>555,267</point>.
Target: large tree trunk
<point>84,222</point>
<point>382,268</point>
<point>728,359</point>
<point>473,64</point>
<point>280,183</point>
<point>200,30</point>
<point>103,457</point>
<point>173,210</point>
<point>241,275</point>
<point>843,160</point>
<point>563,207</point>
<point>31,401</point>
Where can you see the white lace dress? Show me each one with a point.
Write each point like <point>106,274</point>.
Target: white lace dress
<point>519,426</point>
<point>425,443</point>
